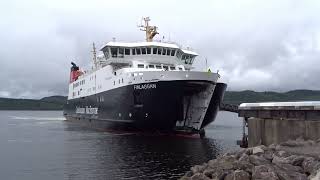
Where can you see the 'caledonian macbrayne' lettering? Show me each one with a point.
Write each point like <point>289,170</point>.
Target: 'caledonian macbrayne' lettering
<point>86,110</point>
<point>144,86</point>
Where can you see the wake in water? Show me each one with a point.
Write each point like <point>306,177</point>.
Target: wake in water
<point>38,118</point>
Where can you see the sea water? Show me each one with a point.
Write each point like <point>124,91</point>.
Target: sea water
<point>42,145</point>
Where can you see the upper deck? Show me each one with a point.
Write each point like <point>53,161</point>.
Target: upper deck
<point>129,54</point>
<point>151,52</point>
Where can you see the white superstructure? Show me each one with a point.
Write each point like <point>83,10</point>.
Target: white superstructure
<point>122,64</point>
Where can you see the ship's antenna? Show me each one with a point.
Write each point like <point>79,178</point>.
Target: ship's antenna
<point>206,64</point>
<point>151,31</point>
<point>94,55</point>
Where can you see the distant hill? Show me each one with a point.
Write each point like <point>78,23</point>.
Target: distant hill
<point>238,97</point>
<point>231,97</point>
<point>47,103</point>
<point>55,99</point>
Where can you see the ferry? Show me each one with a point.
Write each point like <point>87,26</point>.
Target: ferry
<point>145,86</point>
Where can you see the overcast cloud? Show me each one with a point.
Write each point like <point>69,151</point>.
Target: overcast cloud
<point>257,45</point>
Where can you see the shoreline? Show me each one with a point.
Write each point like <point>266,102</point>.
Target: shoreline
<point>292,160</point>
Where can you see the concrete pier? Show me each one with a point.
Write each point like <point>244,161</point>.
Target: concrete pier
<point>276,122</point>
<point>284,141</point>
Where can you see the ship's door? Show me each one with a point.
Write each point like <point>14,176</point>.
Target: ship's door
<point>138,105</point>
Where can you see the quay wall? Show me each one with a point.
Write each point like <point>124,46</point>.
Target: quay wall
<point>263,131</point>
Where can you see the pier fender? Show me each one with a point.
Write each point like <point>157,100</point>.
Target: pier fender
<point>214,105</point>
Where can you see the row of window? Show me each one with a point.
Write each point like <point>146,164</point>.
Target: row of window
<point>114,82</point>
<point>121,52</point>
<point>100,99</point>
<point>79,83</point>
<point>74,93</point>
<point>92,77</point>
<point>93,89</point>
<point>152,66</point>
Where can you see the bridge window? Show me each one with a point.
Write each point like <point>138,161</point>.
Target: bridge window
<point>127,51</point>
<point>180,69</point>
<point>151,66</point>
<point>158,67</point>
<point>121,52</point>
<point>138,51</point>
<point>172,68</point>
<point>106,53</point>
<point>155,50</point>
<point>173,52</point>
<point>148,50</point>
<point>114,52</point>
<point>133,51</point>
<point>159,51</point>
<point>140,65</point>
<point>168,52</point>
<point>179,54</point>
<point>165,68</point>
<point>164,51</point>
<point>188,59</point>
<point>192,59</point>
<point>143,50</point>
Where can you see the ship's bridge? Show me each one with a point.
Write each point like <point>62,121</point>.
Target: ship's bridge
<point>118,53</point>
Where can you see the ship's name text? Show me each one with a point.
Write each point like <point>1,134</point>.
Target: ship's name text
<point>86,110</point>
<point>145,86</point>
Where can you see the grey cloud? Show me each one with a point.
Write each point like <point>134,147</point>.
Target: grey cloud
<point>270,45</point>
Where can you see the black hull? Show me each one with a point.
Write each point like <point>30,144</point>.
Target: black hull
<point>164,106</point>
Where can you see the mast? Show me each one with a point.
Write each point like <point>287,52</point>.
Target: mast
<point>94,52</point>
<point>151,31</point>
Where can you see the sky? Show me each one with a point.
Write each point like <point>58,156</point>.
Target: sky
<point>271,45</point>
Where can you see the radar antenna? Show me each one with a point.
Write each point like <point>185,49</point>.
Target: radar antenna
<point>151,31</point>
